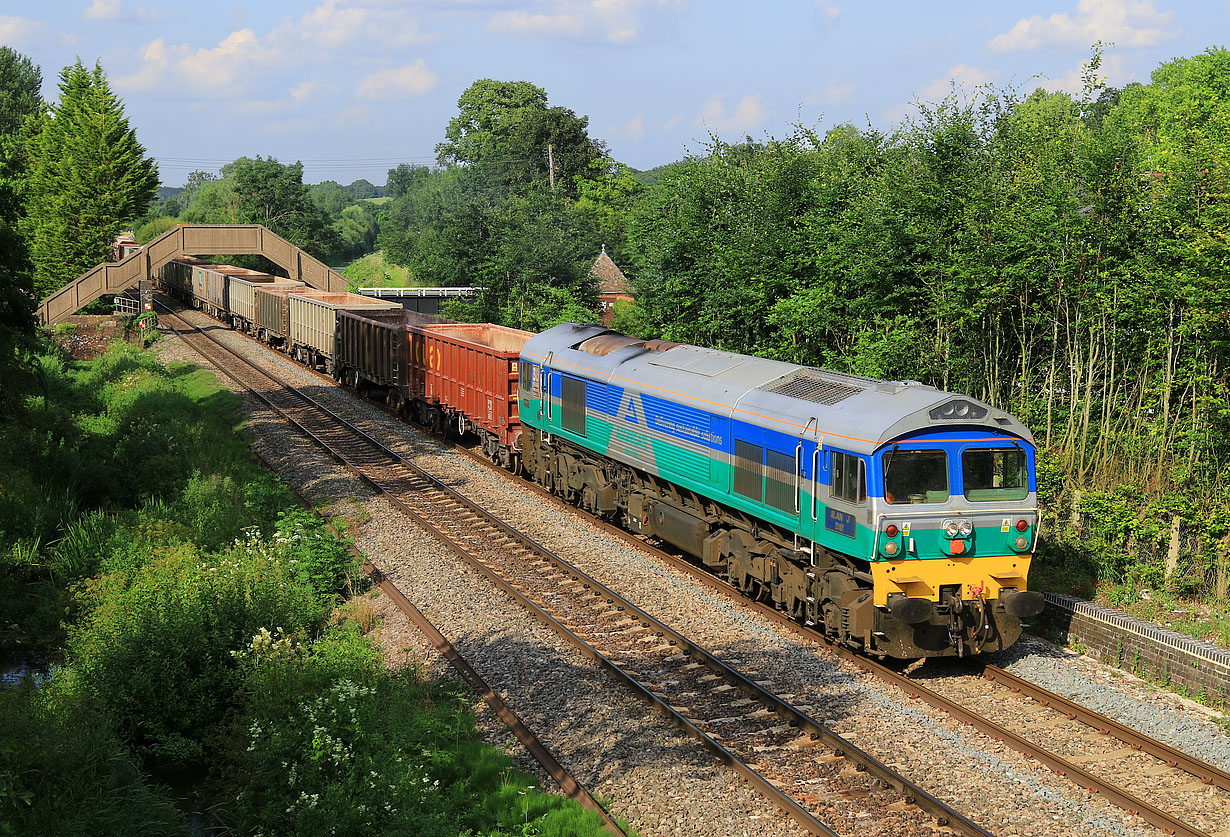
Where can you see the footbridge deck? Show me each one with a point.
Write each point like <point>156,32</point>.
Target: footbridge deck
<point>188,240</point>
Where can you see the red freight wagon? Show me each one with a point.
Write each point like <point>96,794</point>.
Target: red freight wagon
<point>469,370</point>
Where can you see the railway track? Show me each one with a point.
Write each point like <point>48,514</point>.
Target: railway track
<point>1111,770</point>
<point>1118,758</point>
<point>824,783</point>
<point>1132,760</point>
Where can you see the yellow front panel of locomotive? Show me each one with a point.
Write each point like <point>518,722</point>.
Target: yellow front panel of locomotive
<point>922,579</point>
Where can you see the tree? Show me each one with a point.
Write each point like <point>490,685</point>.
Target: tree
<point>404,179</point>
<point>89,178</point>
<point>270,193</point>
<point>20,101</point>
<point>331,197</point>
<point>506,131</point>
<point>362,189</point>
<point>489,113</point>
<point>21,84</point>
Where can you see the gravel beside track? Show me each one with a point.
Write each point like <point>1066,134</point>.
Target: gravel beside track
<point>662,782</point>
<point>659,780</point>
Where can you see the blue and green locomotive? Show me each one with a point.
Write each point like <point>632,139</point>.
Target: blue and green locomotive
<point>897,518</point>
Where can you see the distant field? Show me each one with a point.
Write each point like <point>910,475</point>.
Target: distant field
<point>372,271</point>
<point>377,201</point>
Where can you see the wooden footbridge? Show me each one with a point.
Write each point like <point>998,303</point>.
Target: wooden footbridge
<point>188,240</point>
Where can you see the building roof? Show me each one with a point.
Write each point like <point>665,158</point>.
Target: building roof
<point>611,279</point>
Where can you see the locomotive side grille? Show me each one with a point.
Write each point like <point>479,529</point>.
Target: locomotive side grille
<point>808,386</point>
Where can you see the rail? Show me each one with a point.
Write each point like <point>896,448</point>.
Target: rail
<point>468,530</point>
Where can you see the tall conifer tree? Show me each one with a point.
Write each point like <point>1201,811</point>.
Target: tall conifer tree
<point>89,177</point>
<point>20,101</point>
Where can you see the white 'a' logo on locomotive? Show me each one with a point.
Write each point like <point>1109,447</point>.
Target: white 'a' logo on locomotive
<point>630,408</point>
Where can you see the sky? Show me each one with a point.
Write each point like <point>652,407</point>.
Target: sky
<point>354,87</point>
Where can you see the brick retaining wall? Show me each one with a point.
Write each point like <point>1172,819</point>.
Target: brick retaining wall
<point>1141,647</point>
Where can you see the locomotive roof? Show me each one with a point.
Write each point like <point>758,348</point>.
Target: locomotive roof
<point>847,411</point>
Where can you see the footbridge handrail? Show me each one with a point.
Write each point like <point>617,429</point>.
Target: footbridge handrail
<point>186,240</point>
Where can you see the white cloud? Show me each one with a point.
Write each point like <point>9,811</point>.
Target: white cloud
<point>304,90</point>
<point>961,77</point>
<point>827,12</point>
<point>338,23</point>
<point>15,30</point>
<point>633,129</point>
<point>114,10</point>
<point>321,34</point>
<point>674,122</point>
<point>1113,72</point>
<point>748,115</point>
<point>213,72</point>
<point>838,93</point>
<point>613,21</point>
<point>1125,23</point>
<point>353,115</point>
<point>398,82</point>
<point>223,65</point>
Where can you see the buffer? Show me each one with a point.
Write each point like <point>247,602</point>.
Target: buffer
<point>188,240</point>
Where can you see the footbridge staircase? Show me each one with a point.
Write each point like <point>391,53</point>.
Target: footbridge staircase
<point>188,240</point>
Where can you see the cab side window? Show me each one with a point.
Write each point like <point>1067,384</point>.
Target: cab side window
<point>849,478</point>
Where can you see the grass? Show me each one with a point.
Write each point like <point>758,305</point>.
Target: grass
<point>1207,620</point>
<point>373,271</point>
<point>188,605</point>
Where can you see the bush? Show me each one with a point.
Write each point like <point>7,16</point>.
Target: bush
<point>63,771</point>
<point>314,555</point>
<point>334,743</point>
<point>213,508</point>
<point>155,646</point>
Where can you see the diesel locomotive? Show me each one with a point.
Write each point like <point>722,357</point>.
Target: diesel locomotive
<point>898,519</point>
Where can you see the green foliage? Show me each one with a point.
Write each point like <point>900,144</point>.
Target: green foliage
<point>64,771</point>
<point>314,556</point>
<point>20,101</point>
<point>333,743</point>
<point>88,179</point>
<point>260,190</point>
<point>375,271</point>
<point>154,645</point>
<point>150,230</point>
<point>106,436</point>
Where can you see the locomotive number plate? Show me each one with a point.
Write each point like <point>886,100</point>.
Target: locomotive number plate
<point>840,522</point>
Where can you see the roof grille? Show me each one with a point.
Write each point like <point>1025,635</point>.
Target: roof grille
<point>958,410</point>
<point>808,385</point>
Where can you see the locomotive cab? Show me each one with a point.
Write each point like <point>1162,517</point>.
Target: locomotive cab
<point>956,523</point>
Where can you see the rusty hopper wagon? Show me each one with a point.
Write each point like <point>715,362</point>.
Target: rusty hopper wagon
<point>313,323</point>
<point>468,373</point>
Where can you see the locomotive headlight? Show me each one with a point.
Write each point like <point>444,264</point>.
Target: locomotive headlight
<point>951,529</point>
<point>965,528</point>
<point>890,548</point>
<point>1021,542</point>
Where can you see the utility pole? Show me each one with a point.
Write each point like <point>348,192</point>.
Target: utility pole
<point>551,166</point>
